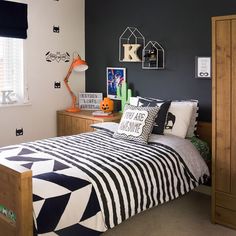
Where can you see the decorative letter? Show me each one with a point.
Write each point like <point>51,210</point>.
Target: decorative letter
<point>6,97</point>
<point>130,52</point>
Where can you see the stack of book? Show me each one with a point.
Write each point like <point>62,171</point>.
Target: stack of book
<point>102,114</point>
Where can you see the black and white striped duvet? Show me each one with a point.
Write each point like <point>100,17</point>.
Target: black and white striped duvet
<point>127,177</point>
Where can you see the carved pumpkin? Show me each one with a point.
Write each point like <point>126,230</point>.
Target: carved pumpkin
<point>107,105</point>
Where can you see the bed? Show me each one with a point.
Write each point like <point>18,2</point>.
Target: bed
<point>96,181</point>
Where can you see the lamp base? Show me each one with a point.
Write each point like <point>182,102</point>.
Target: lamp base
<point>73,109</point>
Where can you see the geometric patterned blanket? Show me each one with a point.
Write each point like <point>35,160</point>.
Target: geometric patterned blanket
<point>64,200</point>
<point>87,183</point>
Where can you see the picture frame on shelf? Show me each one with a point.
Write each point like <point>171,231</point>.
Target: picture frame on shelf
<point>203,67</point>
<point>115,77</point>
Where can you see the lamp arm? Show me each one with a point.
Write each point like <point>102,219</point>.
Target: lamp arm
<point>66,80</point>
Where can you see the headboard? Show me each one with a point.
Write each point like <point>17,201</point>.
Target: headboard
<point>204,131</point>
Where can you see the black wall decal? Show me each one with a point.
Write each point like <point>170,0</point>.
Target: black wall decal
<point>58,56</point>
<point>57,84</point>
<point>183,28</point>
<point>56,29</point>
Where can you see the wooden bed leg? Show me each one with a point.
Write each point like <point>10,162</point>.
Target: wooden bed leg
<point>16,207</point>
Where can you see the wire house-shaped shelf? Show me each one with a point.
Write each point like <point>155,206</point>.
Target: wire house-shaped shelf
<point>131,35</point>
<point>153,56</point>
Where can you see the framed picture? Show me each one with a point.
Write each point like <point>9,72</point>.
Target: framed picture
<point>115,77</point>
<point>203,67</point>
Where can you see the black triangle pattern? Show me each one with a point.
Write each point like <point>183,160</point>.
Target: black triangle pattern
<point>25,151</point>
<point>92,207</point>
<point>59,166</point>
<point>36,198</point>
<point>69,182</point>
<point>28,165</point>
<point>29,159</point>
<point>51,213</point>
<point>76,230</point>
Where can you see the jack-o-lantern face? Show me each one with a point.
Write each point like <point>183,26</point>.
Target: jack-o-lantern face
<point>107,105</point>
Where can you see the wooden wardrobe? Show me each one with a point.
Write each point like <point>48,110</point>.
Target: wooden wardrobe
<point>224,120</point>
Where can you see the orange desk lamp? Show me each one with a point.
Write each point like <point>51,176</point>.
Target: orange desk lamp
<point>78,65</point>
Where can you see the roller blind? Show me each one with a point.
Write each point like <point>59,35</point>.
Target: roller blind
<point>11,70</point>
<point>13,19</point>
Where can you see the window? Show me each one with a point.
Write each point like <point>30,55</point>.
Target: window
<point>11,71</point>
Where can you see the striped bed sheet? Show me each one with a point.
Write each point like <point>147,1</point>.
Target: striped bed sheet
<point>88,183</point>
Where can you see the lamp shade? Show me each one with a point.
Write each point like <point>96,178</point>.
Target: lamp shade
<point>79,65</point>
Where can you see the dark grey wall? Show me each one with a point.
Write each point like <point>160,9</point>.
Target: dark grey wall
<point>182,27</point>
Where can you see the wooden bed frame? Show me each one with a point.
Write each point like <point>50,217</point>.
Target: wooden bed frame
<point>204,131</point>
<point>16,196</point>
<point>16,193</point>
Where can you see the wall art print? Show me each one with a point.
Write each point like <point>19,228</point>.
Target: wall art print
<point>56,29</point>
<point>203,67</point>
<point>115,77</point>
<point>58,56</point>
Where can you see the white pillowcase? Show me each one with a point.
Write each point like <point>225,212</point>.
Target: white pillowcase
<point>178,118</point>
<point>134,101</point>
<point>193,121</point>
<point>108,126</point>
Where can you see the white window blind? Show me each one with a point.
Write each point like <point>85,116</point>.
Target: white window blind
<point>11,71</point>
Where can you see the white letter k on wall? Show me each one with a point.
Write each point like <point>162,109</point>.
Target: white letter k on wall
<point>130,52</point>
<point>7,96</point>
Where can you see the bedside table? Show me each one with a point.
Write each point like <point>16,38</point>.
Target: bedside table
<point>75,123</point>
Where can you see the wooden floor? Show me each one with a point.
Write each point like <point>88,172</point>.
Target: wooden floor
<point>186,216</point>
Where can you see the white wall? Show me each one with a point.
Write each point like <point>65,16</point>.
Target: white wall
<point>39,119</point>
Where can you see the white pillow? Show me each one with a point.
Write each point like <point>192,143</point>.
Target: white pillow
<point>178,118</point>
<point>193,122</point>
<point>108,126</point>
<point>134,101</point>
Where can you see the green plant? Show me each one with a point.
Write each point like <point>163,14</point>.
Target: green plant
<point>123,94</point>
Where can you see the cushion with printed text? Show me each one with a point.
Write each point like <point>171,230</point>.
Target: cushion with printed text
<point>136,123</point>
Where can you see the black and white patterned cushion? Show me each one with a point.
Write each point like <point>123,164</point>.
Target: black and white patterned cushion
<point>136,123</point>
<point>160,121</point>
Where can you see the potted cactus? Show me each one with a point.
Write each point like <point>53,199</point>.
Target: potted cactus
<point>123,94</point>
